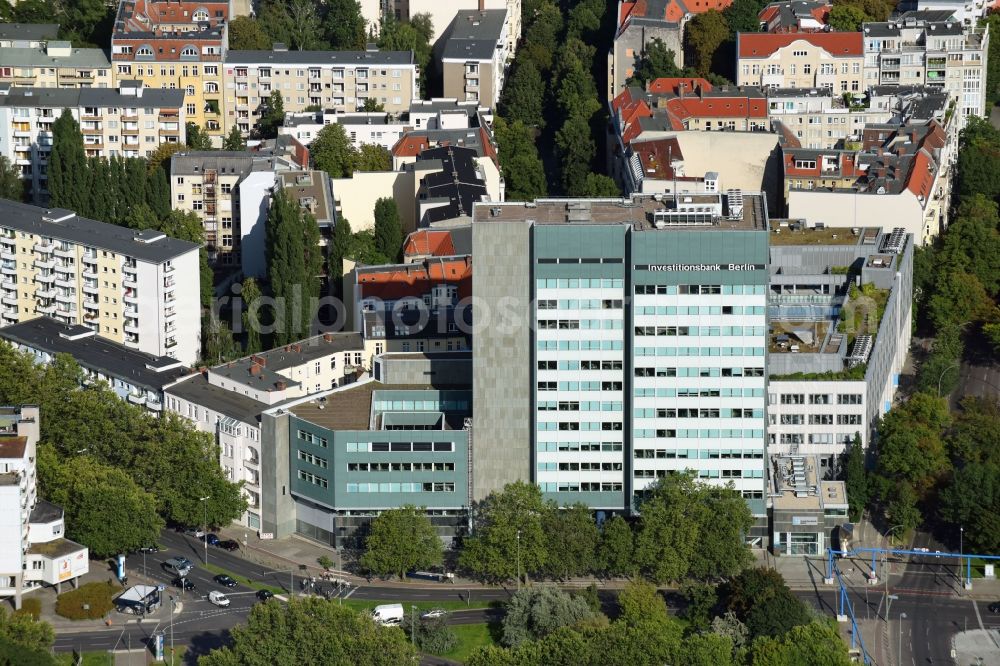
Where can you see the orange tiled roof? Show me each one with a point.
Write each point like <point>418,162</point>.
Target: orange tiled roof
<point>763,44</point>
<point>429,242</point>
<point>410,145</point>
<point>674,84</point>
<point>403,280</point>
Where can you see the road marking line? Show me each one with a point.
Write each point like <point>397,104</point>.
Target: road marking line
<point>353,590</point>
<point>978,616</point>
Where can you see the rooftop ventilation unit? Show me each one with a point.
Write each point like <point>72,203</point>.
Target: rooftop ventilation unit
<point>862,349</point>
<point>894,242</point>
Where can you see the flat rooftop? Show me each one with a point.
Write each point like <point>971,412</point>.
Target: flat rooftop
<point>782,234</point>
<point>795,485</point>
<point>263,370</point>
<point>55,548</point>
<point>12,447</point>
<point>637,211</point>
<point>198,391</point>
<point>350,407</point>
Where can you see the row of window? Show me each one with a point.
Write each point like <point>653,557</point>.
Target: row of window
<point>699,351</point>
<point>399,447</point>
<point>699,372</point>
<point>699,330</point>
<point>421,405</point>
<point>574,406</point>
<point>579,386</point>
<point>701,454</point>
<point>312,460</point>
<point>711,433</point>
<point>704,473</point>
<point>814,438</point>
<point>580,467</point>
<point>712,413</point>
<point>587,426</point>
<point>570,304</point>
<point>580,260</point>
<point>580,324</point>
<point>579,283</point>
<point>593,447</point>
<point>819,419</point>
<point>580,365</point>
<point>698,393</point>
<point>315,440</point>
<point>313,479</point>
<point>820,399</point>
<point>701,289</point>
<point>564,487</point>
<point>400,487</point>
<point>401,467</point>
<point>580,345</point>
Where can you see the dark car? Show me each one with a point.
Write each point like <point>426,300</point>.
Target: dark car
<point>995,607</point>
<point>224,580</point>
<point>264,595</point>
<point>212,539</point>
<point>228,544</point>
<point>183,583</point>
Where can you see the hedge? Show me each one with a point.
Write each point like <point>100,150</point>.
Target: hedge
<point>97,596</point>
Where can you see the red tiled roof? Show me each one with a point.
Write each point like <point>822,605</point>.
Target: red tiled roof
<point>485,138</point>
<point>763,44</point>
<point>718,107</point>
<point>921,175</point>
<point>431,242</point>
<point>410,145</point>
<point>657,156</point>
<point>674,84</point>
<point>399,281</point>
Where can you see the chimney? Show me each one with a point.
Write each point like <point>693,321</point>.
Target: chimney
<point>327,337</point>
<point>254,370</point>
<point>482,5</point>
<point>259,360</point>
<point>280,385</point>
<point>298,349</point>
<point>680,89</point>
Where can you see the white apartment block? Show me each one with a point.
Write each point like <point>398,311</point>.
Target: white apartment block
<point>441,13</point>
<point>130,121</point>
<point>817,418</point>
<point>227,400</point>
<point>341,80</point>
<point>33,550</point>
<point>939,54</point>
<point>474,56</point>
<point>55,65</point>
<point>138,288</point>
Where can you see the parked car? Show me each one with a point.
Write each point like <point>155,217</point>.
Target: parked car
<point>433,614</point>
<point>196,532</point>
<point>211,539</point>
<point>228,544</point>
<point>225,581</point>
<point>179,566</point>
<point>184,584</point>
<point>218,598</point>
<point>264,595</point>
<point>995,607</point>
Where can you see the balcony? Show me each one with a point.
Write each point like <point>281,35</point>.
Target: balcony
<point>9,300</point>
<point>8,269</point>
<point>137,399</point>
<point>45,292</point>
<point>170,343</point>
<point>65,251</point>
<point>130,283</point>
<point>65,269</point>
<point>67,313</point>
<point>8,283</point>
<point>66,284</point>
<point>45,278</point>
<point>90,287</point>
<point>89,257</point>
<point>131,326</point>
<point>65,298</point>
<point>169,283</point>
<point>168,269</point>
<point>48,264</point>
<point>45,247</point>
<point>10,313</point>
<point>132,297</point>
<point>129,268</point>
<point>7,255</point>
<point>46,309</point>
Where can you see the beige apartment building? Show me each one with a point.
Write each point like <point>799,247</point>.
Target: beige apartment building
<point>130,121</point>
<point>339,80</point>
<point>832,60</point>
<point>474,56</point>
<point>441,13</point>
<point>137,288</point>
<point>55,65</point>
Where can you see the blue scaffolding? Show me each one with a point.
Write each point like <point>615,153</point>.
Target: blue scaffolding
<point>875,552</point>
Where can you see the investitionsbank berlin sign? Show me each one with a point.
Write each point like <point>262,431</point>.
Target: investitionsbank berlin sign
<point>670,268</point>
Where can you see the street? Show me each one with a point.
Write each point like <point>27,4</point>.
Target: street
<point>928,599</point>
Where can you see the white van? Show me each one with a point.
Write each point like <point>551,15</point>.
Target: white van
<point>388,615</point>
<point>218,599</point>
<point>179,566</point>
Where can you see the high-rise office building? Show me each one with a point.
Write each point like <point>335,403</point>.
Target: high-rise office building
<point>617,341</point>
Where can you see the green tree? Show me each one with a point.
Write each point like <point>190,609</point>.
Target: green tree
<point>294,265</point>
<point>218,344</point>
<point>761,599</point>
<point>742,16</point>
<point>22,630</point>
<point>641,602</point>
<point>197,139</point>
<point>311,631</point>
<point>534,612</point>
<point>508,532</point>
<point>700,600</point>
<point>340,248</point>
<point>105,509</point>
<point>846,18</point>
<point>160,158</point>
<point>542,35</point>
<point>704,34</point>
<point>599,185</point>
<point>656,61</point>
<point>234,140</point>
<point>11,185</point>
<point>246,34</point>
<point>12,654</point>
<point>401,540</point>
<point>522,168</point>
<point>524,95</point>
<point>272,117</point>
<point>972,500</point>
<point>615,551</point>
<point>577,150</point>
<point>251,295</point>
<point>333,152</point>
<point>571,532</point>
<point>993,63</point>
<point>84,22</point>
<point>910,443</point>
<point>811,643</point>
<point>388,230</point>
<point>373,157</point>
<point>414,35</point>
<point>67,181</point>
<point>344,26</point>
<point>372,105</point>
<point>855,478</point>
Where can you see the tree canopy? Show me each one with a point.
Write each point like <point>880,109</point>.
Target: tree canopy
<point>401,540</point>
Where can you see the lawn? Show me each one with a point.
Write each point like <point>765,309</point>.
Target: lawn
<point>470,638</point>
<point>243,580</point>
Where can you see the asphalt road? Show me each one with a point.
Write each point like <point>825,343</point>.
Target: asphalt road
<point>927,594</point>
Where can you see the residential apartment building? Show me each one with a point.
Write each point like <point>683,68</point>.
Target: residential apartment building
<point>833,60</point>
<point>474,56</point>
<point>897,173</point>
<point>795,16</point>
<point>33,550</point>
<point>836,349</point>
<point>176,45</point>
<point>227,402</point>
<point>229,191</point>
<point>639,23</point>
<point>138,288</point>
<point>441,14</point>
<point>625,342</point>
<point>129,121</point>
<point>27,35</point>
<point>337,80</point>
<point>916,49</point>
<point>133,375</point>
<point>55,65</point>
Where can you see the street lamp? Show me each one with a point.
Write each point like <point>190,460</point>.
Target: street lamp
<point>519,560</point>
<point>953,365</point>
<point>204,537</point>
<point>899,653</point>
